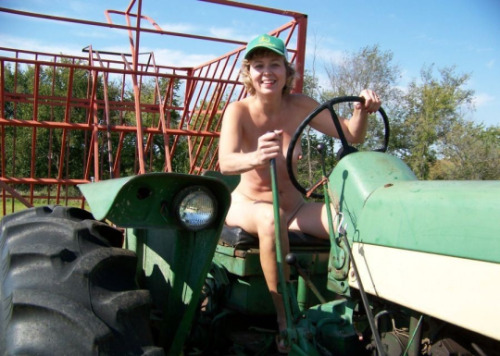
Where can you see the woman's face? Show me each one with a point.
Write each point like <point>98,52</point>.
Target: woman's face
<point>268,73</point>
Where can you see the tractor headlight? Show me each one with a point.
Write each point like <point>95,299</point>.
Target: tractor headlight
<point>196,207</point>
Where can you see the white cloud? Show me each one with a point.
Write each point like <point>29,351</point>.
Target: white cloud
<point>221,32</point>
<point>178,27</point>
<point>98,34</point>
<point>331,56</point>
<point>318,48</point>
<point>178,58</point>
<point>38,46</point>
<point>482,99</point>
<point>163,56</point>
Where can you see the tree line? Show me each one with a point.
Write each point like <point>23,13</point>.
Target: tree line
<point>428,120</point>
<point>429,129</point>
<point>52,85</point>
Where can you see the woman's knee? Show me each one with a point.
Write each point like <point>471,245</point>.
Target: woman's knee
<point>265,222</point>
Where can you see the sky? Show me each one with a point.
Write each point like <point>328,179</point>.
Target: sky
<point>444,33</point>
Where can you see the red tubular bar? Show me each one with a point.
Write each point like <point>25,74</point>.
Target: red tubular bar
<point>56,110</point>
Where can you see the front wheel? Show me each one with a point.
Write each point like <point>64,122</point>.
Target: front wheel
<point>68,288</point>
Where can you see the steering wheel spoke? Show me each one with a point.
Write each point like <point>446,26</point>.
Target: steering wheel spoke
<point>344,150</point>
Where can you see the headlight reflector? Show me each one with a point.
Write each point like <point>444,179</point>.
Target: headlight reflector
<point>196,207</point>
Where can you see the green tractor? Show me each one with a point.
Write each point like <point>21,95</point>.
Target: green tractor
<point>412,268</point>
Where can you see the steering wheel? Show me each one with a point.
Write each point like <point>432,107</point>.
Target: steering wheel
<point>344,150</point>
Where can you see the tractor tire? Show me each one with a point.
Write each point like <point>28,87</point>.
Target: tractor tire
<point>67,288</point>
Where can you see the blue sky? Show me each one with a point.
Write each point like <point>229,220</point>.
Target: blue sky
<point>461,33</point>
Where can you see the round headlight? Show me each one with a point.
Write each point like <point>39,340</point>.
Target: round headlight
<point>196,207</point>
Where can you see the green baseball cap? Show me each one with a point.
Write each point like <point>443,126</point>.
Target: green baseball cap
<point>275,44</point>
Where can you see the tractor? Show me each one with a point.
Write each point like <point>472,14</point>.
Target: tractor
<point>152,270</point>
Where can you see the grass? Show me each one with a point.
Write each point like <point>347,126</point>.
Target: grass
<point>14,205</point>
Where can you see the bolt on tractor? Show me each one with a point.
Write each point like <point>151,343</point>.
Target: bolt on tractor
<point>411,268</point>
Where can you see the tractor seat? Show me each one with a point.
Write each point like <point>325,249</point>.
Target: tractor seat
<point>238,238</point>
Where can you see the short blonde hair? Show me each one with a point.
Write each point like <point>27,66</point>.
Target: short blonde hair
<point>263,52</point>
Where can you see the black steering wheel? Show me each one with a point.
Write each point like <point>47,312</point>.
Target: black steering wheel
<point>344,150</point>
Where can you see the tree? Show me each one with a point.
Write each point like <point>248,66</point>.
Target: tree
<point>311,84</point>
<point>468,151</point>
<point>368,68</point>
<point>308,166</point>
<point>428,111</point>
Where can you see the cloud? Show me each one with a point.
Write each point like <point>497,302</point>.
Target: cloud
<point>180,27</point>
<point>179,58</point>
<point>482,99</point>
<point>98,34</point>
<point>331,56</point>
<point>163,56</point>
<point>39,46</point>
<point>490,64</point>
<point>212,31</point>
<point>222,32</point>
<point>319,48</point>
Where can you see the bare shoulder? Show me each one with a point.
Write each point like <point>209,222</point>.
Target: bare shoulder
<point>303,101</point>
<point>235,111</point>
<point>239,105</point>
<point>302,104</point>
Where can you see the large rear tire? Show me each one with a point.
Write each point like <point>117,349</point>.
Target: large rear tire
<point>67,288</point>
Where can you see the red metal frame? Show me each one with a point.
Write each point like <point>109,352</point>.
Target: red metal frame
<point>207,89</point>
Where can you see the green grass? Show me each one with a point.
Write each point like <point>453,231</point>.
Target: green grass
<point>15,206</point>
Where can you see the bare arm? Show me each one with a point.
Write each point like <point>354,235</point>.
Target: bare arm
<point>355,128</point>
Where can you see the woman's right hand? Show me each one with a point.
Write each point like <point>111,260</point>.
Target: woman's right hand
<point>268,147</point>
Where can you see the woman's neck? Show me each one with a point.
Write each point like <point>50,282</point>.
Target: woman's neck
<point>269,104</point>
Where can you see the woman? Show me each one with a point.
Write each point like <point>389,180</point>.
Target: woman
<point>259,128</point>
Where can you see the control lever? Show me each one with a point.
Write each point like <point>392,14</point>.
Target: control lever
<point>291,259</point>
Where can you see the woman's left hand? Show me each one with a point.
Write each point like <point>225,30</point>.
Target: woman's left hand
<point>372,101</point>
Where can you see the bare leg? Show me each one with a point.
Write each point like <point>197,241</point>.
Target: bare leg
<point>270,268</point>
<point>258,218</point>
<point>312,219</point>
<point>268,260</point>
